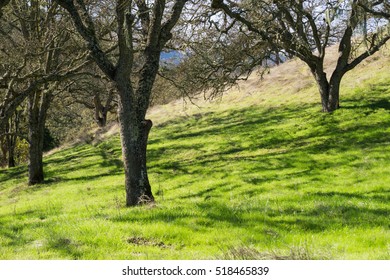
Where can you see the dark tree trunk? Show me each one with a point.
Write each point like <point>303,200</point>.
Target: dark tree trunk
<point>100,112</point>
<point>329,91</point>
<point>38,106</point>
<point>135,129</point>
<point>134,137</point>
<point>145,127</point>
<point>334,97</point>
<point>4,151</point>
<point>101,120</point>
<point>323,87</point>
<point>35,168</point>
<point>11,156</point>
<point>140,191</point>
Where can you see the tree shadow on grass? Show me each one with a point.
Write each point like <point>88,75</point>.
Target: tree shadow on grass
<point>303,152</point>
<point>12,173</point>
<point>12,235</point>
<point>378,104</point>
<point>15,235</point>
<point>107,164</point>
<point>110,153</point>
<point>378,195</point>
<point>320,135</point>
<point>60,169</point>
<point>372,98</point>
<point>327,217</point>
<point>211,215</point>
<point>236,123</point>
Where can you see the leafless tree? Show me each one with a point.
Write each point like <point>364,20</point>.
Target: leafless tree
<point>143,29</point>
<point>37,54</point>
<point>305,29</point>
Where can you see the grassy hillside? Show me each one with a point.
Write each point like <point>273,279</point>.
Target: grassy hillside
<point>260,173</point>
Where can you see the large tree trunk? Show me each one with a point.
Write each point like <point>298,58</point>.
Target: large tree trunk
<point>135,128</point>
<point>134,136</point>
<point>11,156</point>
<point>38,106</point>
<point>329,91</point>
<point>323,87</point>
<point>35,168</point>
<point>334,95</point>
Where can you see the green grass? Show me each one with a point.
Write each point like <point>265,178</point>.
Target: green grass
<point>266,177</point>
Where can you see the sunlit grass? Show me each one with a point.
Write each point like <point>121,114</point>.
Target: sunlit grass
<point>236,179</point>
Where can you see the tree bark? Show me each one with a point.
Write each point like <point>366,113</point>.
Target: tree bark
<point>323,87</point>
<point>4,151</point>
<point>11,154</point>
<point>334,92</point>
<point>35,168</point>
<point>134,136</point>
<point>100,111</point>
<point>146,126</point>
<point>330,95</point>
<point>329,90</point>
<point>38,106</point>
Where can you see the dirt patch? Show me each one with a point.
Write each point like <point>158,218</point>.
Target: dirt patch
<point>141,241</point>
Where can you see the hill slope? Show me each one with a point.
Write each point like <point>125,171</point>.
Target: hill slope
<point>260,173</point>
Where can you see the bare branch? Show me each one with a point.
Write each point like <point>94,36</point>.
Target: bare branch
<point>88,33</point>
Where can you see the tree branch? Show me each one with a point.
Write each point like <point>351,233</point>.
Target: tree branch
<point>89,35</point>
<point>373,49</point>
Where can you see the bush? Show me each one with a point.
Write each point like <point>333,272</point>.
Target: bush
<point>49,142</point>
<point>21,151</point>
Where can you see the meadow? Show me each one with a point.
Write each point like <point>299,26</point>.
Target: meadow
<point>260,173</point>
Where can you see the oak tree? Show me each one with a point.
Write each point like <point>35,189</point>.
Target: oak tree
<point>143,29</point>
<point>38,55</point>
<point>305,29</point>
